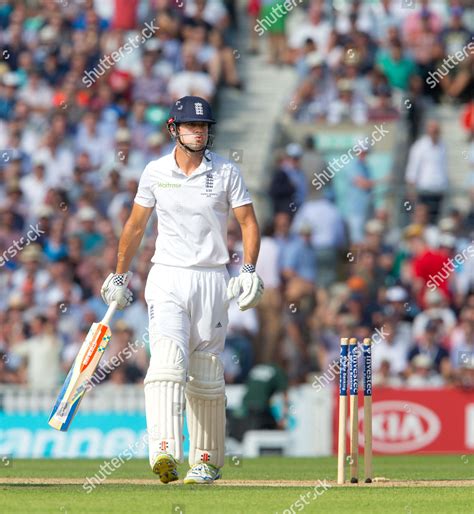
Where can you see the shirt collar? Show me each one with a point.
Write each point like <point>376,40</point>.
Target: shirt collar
<point>205,165</point>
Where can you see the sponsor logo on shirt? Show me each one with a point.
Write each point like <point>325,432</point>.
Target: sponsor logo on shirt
<point>168,185</point>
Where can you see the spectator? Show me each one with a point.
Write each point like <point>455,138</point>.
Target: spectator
<point>282,235</point>
<point>151,85</point>
<point>347,106</point>
<point>393,348</point>
<point>424,265</point>
<point>255,413</point>
<point>418,107</point>
<point>35,185</point>
<point>387,14</point>
<point>282,189</point>
<point>384,377</point>
<point>126,355</point>
<point>314,27</point>
<point>456,35</point>
<point>253,10</point>
<point>193,80</point>
<point>328,233</point>
<point>422,374</point>
<point>36,93</point>
<point>427,169</point>
<point>429,345</point>
<point>123,158</point>
<point>458,85</point>
<point>41,351</point>
<point>7,376</point>
<point>415,22</point>
<point>397,67</point>
<point>312,161</point>
<point>240,344</point>
<point>270,305</point>
<point>275,28</point>
<point>315,91</point>
<point>299,273</point>
<point>360,200</point>
<point>461,340</point>
<point>299,260</point>
<point>91,240</point>
<point>91,140</point>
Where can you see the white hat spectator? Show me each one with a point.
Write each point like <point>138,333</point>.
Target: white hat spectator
<point>294,150</point>
<point>48,34</point>
<point>86,214</point>
<point>396,294</point>
<point>11,79</point>
<point>15,301</point>
<point>447,240</point>
<point>31,253</point>
<point>345,85</point>
<point>374,227</point>
<point>434,297</point>
<point>314,59</point>
<point>447,224</point>
<point>156,139</point>
<point>422,361</point>
<point>123,136</point>
<point>45,211</point>
<point>39,160</point>
<point>152,45</point>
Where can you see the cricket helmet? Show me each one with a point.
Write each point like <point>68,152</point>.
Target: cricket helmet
<point>190,109</point>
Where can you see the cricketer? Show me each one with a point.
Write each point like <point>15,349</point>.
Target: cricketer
<point>188,289</point>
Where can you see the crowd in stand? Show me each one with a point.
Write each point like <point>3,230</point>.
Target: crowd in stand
<point>359,61</point>
<point>345,271</point>
<point>85,90</point>
<point>73,156</point>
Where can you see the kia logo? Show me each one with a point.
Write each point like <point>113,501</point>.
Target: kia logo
<point>400,426</point>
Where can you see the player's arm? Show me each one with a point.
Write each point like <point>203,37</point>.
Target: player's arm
<point>131,237</point>
<point>248,281</point>
<point>245,215</point>
<point>115,286</point>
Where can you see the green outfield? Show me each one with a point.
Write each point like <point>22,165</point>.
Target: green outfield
<point>411,485</point>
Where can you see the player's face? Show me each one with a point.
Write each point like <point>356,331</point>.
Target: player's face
<point>194,134</point>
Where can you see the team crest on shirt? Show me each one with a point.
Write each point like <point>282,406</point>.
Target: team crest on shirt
<point>209,186</point>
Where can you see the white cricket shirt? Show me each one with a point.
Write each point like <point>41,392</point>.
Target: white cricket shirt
<point>192,210</point>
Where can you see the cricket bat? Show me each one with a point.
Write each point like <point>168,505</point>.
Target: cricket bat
<point>81,372</point>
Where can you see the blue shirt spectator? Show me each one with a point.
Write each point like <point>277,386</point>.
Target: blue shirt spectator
<point>300,256</point>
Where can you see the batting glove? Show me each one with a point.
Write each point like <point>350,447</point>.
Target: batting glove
<point>115,289</point>
<point>251,285</point>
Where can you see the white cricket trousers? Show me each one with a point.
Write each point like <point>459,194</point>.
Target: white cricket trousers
<point>188,306</point>
<point>187,310</point>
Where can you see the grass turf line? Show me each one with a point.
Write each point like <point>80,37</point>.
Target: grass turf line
<point>406,467</point>
<point>130,499</point>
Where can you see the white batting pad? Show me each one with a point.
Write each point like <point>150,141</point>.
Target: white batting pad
<point>164,400</point>
<point>206,409</point>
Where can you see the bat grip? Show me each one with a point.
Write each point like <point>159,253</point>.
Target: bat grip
<point>110,312</point>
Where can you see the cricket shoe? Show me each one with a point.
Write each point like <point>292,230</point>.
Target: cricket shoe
<point>202,474</point>
<point>166,468</point>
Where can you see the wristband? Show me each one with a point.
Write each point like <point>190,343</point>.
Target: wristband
<point>248,268</point>
<point>119,279</point>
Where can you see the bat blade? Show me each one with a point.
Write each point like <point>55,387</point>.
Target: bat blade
<point>78,379</point>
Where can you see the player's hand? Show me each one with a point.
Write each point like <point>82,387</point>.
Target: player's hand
<point>115,289</point>
<point>251,286</point>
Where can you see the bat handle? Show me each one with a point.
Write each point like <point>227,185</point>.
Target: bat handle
<point>110,312</point>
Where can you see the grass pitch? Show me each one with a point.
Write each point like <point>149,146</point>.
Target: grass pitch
<point>416,485</point>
